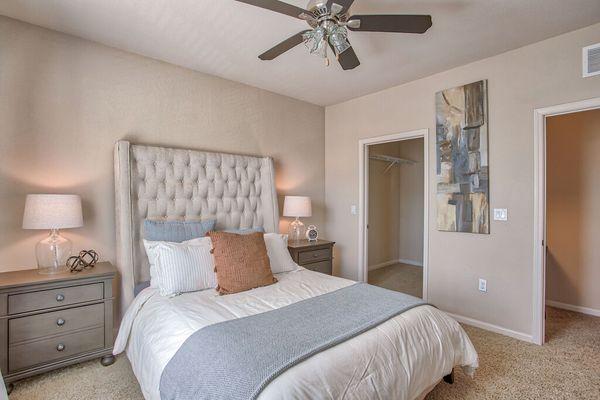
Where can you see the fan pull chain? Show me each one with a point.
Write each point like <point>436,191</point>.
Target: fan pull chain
<point>326,61</point>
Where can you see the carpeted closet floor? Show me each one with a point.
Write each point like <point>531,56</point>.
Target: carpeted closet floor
<point>399,277</point>
<point>567,367</point>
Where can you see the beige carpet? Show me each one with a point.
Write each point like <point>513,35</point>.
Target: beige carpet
<point>567,367</point>
<point>399,277</point>
<point>88,380</point>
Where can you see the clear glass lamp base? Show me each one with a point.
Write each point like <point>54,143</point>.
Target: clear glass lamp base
<point>296,231</point>
<point>52,253</point>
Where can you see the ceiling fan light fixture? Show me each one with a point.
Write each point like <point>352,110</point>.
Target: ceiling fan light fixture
<point>338,38</point>
<point>316,41</point>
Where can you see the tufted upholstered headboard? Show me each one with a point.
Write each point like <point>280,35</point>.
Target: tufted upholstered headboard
<point>160,182</point>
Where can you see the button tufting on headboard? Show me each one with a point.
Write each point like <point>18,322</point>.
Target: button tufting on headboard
<point>159,182</point>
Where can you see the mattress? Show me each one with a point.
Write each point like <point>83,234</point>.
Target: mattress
<point>402,358</point>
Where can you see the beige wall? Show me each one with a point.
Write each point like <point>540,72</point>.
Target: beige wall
<point>538,75</point>
<point>396,204</point>
<point>65,101</point>
<point>573,209</point>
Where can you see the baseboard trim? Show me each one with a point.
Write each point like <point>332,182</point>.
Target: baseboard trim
<point>492,328</point>
<point>410,262</point>
<point>392,262</point>
<point>583,310</point>
<point>383,264</point>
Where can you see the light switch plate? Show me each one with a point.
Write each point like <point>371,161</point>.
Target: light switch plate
<point>353,209</point>
<point>482,285</point>
<point>500,214</point>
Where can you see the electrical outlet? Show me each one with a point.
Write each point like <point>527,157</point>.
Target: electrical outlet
<point>500,214</point>
<point>482,285</point>
<point>353,209</point>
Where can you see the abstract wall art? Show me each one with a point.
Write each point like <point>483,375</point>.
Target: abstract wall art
<point>462,159</point>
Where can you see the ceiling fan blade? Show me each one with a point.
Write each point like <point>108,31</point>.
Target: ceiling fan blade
<point>391,23</point>
<point>284,46</point>
<point>278,6</point>
<point>347,59</point>
<point>336,9</point>
<point>308,18</point>
<point>344,3</point>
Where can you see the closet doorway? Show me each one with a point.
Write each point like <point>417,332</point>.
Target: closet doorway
<point>567,141</point>
<point>393,212</point>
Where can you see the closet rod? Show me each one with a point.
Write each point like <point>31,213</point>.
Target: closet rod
<point>392,160</point>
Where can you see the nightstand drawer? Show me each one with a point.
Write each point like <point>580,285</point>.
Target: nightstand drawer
<point>322,266</point>
<point>54,323</point>
<point>53,349</point>
<point>33,301</point>
<point>314,255</point>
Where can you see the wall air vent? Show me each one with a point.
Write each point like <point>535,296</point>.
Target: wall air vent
<point>591,60</point>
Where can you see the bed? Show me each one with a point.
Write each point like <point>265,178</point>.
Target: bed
<point>401,358</point>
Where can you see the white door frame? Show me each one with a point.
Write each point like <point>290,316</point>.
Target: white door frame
<point>363,200</point>
<point>539,215</point>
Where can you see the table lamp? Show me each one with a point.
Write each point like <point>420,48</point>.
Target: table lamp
<point>296,206</point>
<point>54,212</point>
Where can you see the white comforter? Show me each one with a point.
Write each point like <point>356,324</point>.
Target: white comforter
<point>402,358</point>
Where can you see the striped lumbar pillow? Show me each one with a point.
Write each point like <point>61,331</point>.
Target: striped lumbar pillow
<point>177,268</point>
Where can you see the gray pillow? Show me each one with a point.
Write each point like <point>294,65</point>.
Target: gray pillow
<point>245,231</point>
<point>176,231</point>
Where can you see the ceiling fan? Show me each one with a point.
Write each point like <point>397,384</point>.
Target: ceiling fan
<point>329,21</point>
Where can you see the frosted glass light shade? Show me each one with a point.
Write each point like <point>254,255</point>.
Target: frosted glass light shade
<point>297,206</point>
<point>52,211</point>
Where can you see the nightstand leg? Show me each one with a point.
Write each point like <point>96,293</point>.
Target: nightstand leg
<point>107,360</point>
<point>10,387</point>
<point>449,378</point>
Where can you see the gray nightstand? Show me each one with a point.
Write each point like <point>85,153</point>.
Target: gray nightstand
<point>51,321</point>
<point>316,256</point>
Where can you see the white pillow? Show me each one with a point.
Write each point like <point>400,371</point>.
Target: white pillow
<point>181,267</point>
<point>279,255</point>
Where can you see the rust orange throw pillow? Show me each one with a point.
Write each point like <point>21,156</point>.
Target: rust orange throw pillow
<point>241,261</point>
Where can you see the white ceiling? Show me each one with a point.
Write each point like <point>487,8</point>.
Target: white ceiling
<point>224,37</point>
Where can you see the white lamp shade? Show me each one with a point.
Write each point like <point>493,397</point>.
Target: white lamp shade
<point>297,206</point>
<point>52,211</point>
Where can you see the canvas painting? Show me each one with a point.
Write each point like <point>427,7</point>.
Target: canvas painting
<point>462,159</point>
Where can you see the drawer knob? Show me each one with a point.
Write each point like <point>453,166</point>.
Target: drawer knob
<point>60,322</point>
<point>60,347</point>
<point>60,297</point>
<point>315,255</point>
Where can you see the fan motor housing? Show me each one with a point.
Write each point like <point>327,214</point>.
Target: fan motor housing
<point>318,8</point>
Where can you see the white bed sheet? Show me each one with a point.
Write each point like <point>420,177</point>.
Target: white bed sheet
<point>402,358</point>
